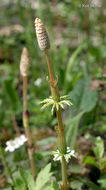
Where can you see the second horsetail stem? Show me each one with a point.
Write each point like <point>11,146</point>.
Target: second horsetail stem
<point>24,70</point>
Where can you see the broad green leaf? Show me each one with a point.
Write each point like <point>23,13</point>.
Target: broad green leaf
<point>77,185</point>
<point>102,181</point>
<point>20,184</point>
<point>89,160</point>
<point>48,188</point>
<point>47,141</point>
<point>43,154</point>
<point>53,186</point>
<point>83,98</point>
<point>70,64</point>
<point>43,178</point>
<point>75,168</point>
<point>99,148</point>
<point>28,179</point>
<point>72,129</point>
<point>90,184</point>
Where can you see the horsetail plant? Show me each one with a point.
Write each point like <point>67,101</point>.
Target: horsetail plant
<point>63,152</point>
<point>24,69</point>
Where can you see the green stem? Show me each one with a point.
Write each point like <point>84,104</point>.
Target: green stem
<point>62,148</point>
<point>60,131</point>
<point>61,134</point>
<point>64,172</point>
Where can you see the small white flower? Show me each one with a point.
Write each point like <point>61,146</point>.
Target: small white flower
<point>11,145</point>
<point>69,153</point>
<point>56,156</point>
<point>38,82</point>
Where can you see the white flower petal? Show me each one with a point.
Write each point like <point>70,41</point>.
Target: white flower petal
<point>6,149</point>
<point>73,152</point>
<point>68,151</point>
<point>11,149</point>
<point>8,142</point>
<point>16,143</point>
<point>59,158</point>
<point>23,138</point>
<point>38,82</point>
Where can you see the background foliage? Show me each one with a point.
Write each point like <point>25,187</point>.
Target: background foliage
<point>78,54</point>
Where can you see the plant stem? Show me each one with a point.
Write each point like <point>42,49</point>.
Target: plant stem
<point>64,176</point>
<point>15,126</point>
<point>26,126</point>
<point>25,87</point>
<point>60,131</point>
<point>61,134</point>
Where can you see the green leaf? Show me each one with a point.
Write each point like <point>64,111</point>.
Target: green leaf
<point>20,184</point>
<point>55,185</point>
<point>102,181</point>
<point>89,160</point>
<point>70,64</point>
<point>43,178</point>
<point>94,51</point>
<point>72,130</point>
<point>83,98</point>
<point>77,185</point>
<point>90,184</point>
<point>75,168</point>
<point>99,148</point>
<point>48,188</point>
<point>28,179</point>
<point>47,141</point>
<point>103,164</point>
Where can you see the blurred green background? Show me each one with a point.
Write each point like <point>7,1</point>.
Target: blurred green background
<point>77,32</point>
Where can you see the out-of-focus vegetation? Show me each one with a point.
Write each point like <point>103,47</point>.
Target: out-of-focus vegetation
<point>78,54</point>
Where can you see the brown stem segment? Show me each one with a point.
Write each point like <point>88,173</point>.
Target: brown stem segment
<point>15,126</point>
<point>25,87</point>
<point>60,131</point>
<point>26,127</point>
